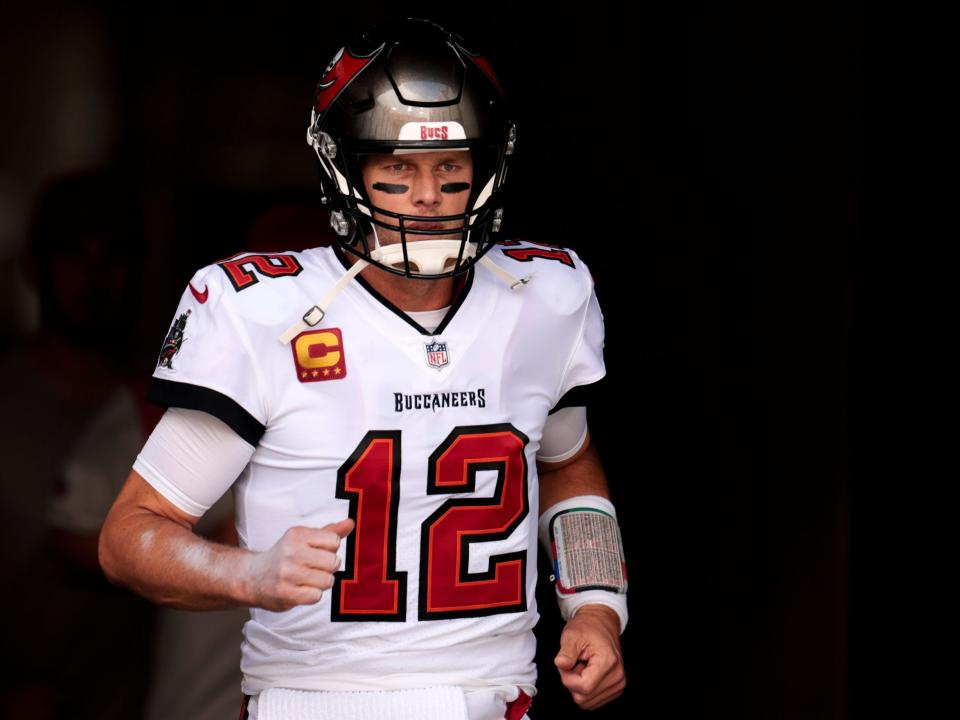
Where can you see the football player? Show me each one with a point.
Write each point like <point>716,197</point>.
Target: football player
<point>401,418</point>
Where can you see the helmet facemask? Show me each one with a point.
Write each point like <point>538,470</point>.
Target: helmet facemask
<point>392,240</point>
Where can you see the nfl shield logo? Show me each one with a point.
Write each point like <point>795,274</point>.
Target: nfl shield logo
<point>437,354</point>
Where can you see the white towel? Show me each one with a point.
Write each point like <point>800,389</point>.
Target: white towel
<point>444,702</point>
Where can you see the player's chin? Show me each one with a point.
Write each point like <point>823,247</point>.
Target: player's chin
<point>453,234</point>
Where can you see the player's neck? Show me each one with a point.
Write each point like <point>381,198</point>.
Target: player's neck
<point>408,294</point>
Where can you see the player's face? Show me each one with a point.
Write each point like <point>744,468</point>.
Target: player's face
<point>429,184</point>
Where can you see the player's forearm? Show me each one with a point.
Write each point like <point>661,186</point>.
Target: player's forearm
<point>167,563</point>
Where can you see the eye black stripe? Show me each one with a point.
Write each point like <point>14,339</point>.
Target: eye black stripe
<point>455,187</point>
<point>392,188</point>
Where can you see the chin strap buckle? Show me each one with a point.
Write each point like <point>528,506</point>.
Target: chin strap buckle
<point>313,315</point>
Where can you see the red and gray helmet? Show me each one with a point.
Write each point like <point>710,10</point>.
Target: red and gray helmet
<point>410,86</point>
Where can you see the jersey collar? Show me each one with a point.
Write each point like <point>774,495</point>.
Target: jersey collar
<point>461,288</point>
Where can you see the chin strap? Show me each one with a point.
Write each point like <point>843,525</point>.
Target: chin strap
<point>315,314</point>
<point>514,282</point>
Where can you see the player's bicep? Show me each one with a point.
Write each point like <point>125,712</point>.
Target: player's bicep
<point>545,468</point>
<point>137,496</point>
<point>564,438</point>
<point>191,459</point>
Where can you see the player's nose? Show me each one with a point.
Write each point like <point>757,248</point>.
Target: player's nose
<point>426,188</point>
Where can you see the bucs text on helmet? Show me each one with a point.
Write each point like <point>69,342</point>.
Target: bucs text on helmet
<point>406,87</point>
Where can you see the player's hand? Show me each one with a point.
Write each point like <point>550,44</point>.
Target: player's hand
<point>298,568</point>
<point>590,661</point>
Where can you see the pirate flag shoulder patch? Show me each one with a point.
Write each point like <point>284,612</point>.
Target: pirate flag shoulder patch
<point>173,342</point>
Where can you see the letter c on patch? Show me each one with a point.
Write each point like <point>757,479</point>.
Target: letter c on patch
<point>319,350</point>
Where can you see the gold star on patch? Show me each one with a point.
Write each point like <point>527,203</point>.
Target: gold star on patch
<point>303,374</point>
<point>336,371</point>
<point>315,373</point>
<point>326,372</point>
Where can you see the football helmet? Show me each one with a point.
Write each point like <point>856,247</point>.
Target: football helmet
<point>405,87</point>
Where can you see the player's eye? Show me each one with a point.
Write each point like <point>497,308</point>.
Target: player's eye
<point>396,167</point>
<point>449,167</point>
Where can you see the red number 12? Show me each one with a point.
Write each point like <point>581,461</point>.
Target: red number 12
<point>370,587</point>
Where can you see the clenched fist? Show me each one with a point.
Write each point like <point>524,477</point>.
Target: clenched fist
<point>298,568</point>
<point>590,661</point>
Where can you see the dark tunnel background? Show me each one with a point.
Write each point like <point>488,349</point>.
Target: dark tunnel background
<point>705,163</point>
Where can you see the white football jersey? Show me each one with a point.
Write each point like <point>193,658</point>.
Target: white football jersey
<point>427,440</point>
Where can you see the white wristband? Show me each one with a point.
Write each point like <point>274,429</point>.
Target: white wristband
<point>582,539</point>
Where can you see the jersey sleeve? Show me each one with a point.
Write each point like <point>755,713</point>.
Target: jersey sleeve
<point>207,361</point>
<point>585,368</point>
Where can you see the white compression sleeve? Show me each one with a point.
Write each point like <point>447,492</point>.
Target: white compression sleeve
<point>192,458</point>
<point>563,434</point>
